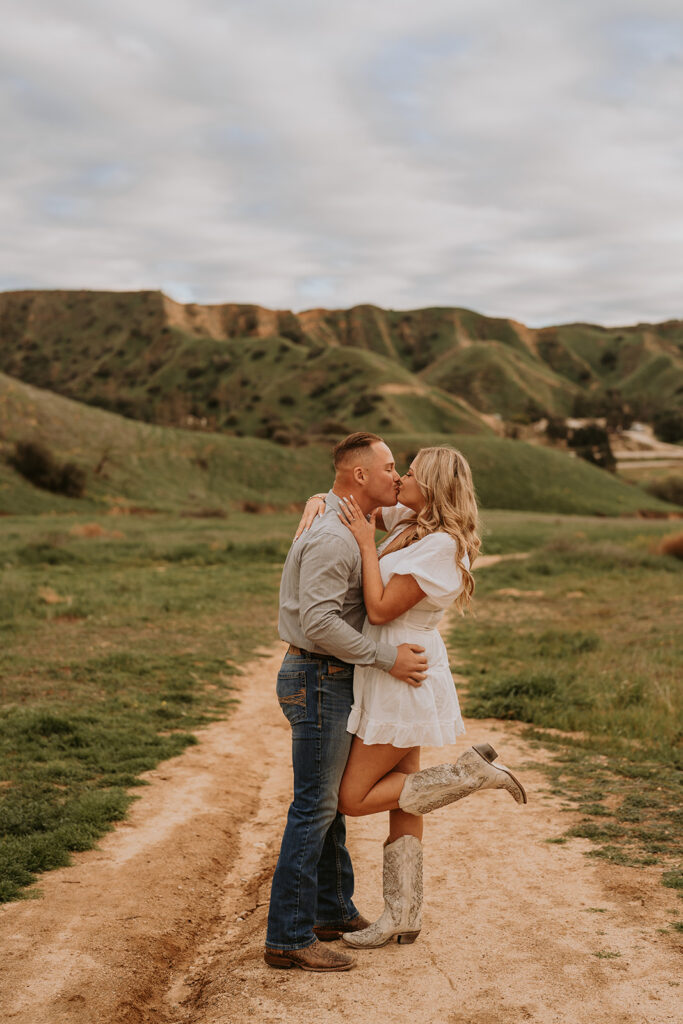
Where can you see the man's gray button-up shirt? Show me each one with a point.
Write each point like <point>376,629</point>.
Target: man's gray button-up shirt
<point>321,595</point>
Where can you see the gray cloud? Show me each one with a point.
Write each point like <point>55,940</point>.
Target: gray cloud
<point>520,157</point>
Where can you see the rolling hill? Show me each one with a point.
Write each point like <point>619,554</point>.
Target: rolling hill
<point>150,467</point>
<point>251,371</point>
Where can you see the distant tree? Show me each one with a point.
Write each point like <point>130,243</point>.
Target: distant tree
<point>592,444</point>
<point>582,406</point>
<point>282,436</point>
<point>668,425</point>
<point>556,429</point>
<point>421,358</point>
<point>608,359</point>
<point>618,414</point>
<point>39,466</point>
<point>328,427</point>
<point>668,488</point>
<point>531,413</point>
<point>365,404</point>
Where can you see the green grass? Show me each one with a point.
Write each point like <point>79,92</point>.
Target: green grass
<point>589,645</point>
<point>499,378</point>
<point>129,463</point>
<point>506,531</point>
<point>121,635</point>
<point>113,650</point>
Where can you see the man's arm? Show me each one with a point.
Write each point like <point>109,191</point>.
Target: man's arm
<point>326,568</point>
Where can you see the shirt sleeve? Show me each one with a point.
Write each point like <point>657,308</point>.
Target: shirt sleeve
<point>431,561</point>
<point>323,583</point>
<point>395,514</point>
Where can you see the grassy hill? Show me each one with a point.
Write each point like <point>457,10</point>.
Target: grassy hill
<point>130,463</point>
<point>251,371</point>
<point>241,368</point>
<point>500,379</point>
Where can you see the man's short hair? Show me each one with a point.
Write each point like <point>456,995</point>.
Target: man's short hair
<point>352,445</point>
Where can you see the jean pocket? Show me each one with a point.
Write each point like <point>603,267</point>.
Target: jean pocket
<point>291,693</point>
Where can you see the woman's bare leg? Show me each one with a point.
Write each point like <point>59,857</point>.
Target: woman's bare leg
<point>372,779</point>
<point>400,822</point>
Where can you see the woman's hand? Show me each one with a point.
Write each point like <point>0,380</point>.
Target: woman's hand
<point>401,592</point>
<point>352,517</point>
<point>315,506</point>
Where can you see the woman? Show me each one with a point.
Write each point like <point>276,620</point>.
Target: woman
<point>420,570</point>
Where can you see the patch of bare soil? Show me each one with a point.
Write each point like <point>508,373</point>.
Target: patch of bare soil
<point>485,560</point>
<point>165,922</point>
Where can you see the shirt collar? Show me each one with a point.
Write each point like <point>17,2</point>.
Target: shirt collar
<point>332,501</point>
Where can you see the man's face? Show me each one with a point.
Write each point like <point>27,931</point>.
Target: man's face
<point>382,480</point>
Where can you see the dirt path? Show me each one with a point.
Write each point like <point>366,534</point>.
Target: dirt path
<point>165,922</point>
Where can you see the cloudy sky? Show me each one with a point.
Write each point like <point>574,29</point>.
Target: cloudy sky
<point>520,157</point>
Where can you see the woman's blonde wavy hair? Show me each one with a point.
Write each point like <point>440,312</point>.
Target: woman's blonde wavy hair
<point>444,477</point>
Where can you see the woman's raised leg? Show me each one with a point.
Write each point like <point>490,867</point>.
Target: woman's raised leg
<point>374,777</point>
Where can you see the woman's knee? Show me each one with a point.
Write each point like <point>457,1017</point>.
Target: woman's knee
<point>349,801</point>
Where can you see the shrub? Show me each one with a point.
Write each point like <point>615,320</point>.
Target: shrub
<point>669,488</point>
<point>205,513</point>
<point>253,507</point>
<point>332,427</point>
<point>37,465</point>
<point>672,546</point>
<point>668,425</point>
<point>282,436</point>
<point>592,444</point>
<point>556,429</point>
<point>365,404</point>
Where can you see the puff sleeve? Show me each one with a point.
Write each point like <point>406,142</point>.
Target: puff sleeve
<point>431,561</point>
<point>395,514</point>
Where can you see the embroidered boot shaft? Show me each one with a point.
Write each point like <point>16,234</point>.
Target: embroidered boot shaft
<point>443,784</point>
<point>402,888</point>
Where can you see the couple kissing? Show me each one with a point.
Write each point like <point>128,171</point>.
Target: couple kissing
<point>365,682</point>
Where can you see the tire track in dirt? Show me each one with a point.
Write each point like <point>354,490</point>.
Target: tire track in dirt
<point>109,933</point>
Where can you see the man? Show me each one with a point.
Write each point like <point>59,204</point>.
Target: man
<point>321,616</point>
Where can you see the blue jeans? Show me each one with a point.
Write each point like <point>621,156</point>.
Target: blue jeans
<point>313,880</point>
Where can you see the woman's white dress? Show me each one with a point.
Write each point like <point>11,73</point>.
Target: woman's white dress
<point>385,709</point>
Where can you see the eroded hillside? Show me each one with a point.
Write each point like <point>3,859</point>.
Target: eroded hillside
<point>277,374</point>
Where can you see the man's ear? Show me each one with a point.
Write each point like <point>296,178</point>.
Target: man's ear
<point>359,475</point>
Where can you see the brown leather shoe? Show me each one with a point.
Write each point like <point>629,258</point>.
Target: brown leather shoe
<point>330,932</point>
<point>313,958</point>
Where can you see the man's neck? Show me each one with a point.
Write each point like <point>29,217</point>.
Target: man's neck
<point>343,490</point>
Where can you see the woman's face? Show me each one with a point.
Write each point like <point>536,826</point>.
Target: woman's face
<point>409,493</point>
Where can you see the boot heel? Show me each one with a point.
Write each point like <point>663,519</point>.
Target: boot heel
<point>405,938</point>
<point>486,751</point>
<point>277,961</point>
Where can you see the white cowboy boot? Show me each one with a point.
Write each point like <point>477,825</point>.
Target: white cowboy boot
<point>430,788</point>
<point>402,887</point>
